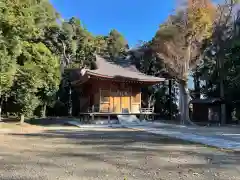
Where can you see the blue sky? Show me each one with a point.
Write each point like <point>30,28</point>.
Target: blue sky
<point>135,19</point>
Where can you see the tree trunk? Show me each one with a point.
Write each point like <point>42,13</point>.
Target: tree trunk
<point>43,114</point>
<point>1,104</point>
<point>223,105</point>
<point>70,100</point>
<point>184,109</point>
<point>22,119</point>
<point>197,93</point>
<point>0,112</point>
<point>184,94</point>
<point>181,99</point>
<point>221,86</point>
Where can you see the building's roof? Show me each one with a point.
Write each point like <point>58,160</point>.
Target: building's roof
<point>112,70</point>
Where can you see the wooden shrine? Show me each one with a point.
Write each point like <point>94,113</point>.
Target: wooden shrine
<point>111,88</point>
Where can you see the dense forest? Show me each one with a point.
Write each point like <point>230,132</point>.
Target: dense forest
<point>38,48</point>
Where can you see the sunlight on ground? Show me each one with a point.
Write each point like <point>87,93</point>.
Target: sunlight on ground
<point>9,125</point>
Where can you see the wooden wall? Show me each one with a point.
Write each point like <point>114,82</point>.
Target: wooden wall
<point>112,96</point>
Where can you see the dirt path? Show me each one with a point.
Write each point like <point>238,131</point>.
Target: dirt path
<point>105,154</point>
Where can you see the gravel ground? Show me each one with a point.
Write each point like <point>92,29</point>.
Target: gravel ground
<point>110,154</point>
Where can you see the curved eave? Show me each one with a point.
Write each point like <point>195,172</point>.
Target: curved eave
<point>80,81</point>
<point>155,81</point>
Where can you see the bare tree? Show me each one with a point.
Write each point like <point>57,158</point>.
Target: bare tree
<point>178,43</point>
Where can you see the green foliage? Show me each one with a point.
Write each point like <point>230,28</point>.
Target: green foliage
<point>7,72</point>
<point>116,44</point>
<point>146,60</point>
<point>231,71</point>
<point>28,67</point>
<point>219,71</point>
<point>25,88</point>
<point>165,105</point>
<point>36,48</point>
<point>76,47</point>
<point>43,67</point>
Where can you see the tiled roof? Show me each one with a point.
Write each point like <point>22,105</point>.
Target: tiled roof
<point>112,70</point>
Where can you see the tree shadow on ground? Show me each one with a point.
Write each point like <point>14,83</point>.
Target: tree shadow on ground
<point>51,121</point>
<point>134,150</point>
<point>101,137</point>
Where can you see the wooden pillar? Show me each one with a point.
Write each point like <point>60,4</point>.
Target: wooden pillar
<point>100,95</point>
<point>170,97</point>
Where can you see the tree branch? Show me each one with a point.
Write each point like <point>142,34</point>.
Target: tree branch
<point>67,58</point>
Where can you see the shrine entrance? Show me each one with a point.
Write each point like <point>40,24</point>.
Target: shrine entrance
<point>121,99</point>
